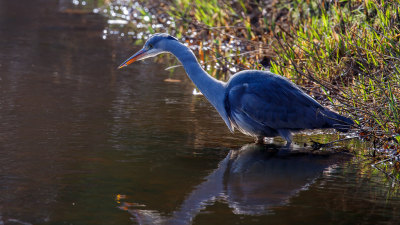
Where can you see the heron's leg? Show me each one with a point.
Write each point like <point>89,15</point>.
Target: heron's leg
<point>259,140</point>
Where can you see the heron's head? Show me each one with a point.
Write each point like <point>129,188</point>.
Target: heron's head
<point>153,46</point>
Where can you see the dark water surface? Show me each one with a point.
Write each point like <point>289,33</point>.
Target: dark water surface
<point>84,143</point>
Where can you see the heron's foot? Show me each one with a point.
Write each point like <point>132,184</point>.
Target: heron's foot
<point>259,140</point>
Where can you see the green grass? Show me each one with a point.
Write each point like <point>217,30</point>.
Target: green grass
<point>353,54</point>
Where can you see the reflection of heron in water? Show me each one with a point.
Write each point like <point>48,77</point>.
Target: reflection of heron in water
<point>251,180</point>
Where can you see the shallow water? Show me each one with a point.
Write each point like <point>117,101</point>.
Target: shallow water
<point>84,143</point>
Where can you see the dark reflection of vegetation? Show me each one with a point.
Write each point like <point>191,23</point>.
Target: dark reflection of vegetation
<point>344,53</point>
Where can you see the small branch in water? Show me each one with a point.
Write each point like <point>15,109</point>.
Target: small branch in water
<point>171,67</point>
<point>317,145</point>
<point>383,171</point>
<point>374,165</point>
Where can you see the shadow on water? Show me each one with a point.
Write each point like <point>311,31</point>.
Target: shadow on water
<point>251,181</point>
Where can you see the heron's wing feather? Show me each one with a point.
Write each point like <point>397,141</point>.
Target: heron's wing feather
<point>277,104</point>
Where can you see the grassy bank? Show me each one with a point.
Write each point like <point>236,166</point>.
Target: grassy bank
<point>351,51</point>
<point>346,54</point>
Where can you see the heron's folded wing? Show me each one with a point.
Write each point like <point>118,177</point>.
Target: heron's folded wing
<point>278,104</point>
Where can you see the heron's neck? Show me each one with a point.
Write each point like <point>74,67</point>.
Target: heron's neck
<point>212,89</point>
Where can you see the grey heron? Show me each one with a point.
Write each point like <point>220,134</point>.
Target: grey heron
<point>257,103</point>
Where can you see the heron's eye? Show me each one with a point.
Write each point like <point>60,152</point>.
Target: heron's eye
<point>150,46</point>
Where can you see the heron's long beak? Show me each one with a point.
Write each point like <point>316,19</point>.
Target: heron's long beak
<point>140,54</point>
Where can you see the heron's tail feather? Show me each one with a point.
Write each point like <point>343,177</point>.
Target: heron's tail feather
<point>334,120</point>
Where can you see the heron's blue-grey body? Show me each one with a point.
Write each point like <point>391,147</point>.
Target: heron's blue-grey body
<point>258,103</point>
